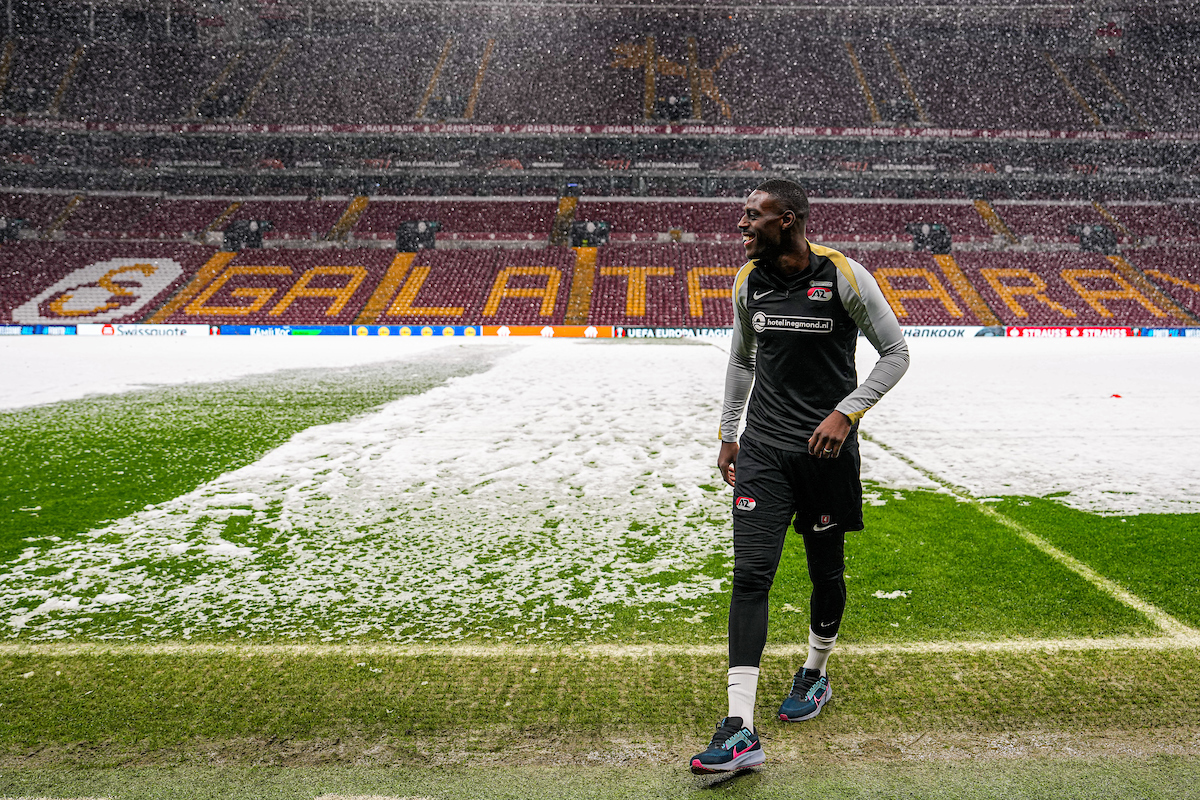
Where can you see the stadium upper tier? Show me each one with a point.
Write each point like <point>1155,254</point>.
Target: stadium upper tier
<point>108,215</point>
<point>609,72</point>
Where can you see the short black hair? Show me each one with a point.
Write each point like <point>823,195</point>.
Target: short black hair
<point>790,193</point>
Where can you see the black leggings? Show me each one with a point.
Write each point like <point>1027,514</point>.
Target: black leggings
<point>752,583</point>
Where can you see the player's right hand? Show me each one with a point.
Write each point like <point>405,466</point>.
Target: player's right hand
<point>726,460</point>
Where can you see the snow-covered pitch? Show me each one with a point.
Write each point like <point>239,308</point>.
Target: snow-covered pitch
<point>517,486</point>
<point>1114,422</point>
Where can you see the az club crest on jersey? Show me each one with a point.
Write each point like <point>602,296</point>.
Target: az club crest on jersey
<point>825,524</point>
<point>745,504</point>
<point>820,293</point>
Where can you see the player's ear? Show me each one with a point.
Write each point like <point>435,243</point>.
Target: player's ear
<point>788,219</point>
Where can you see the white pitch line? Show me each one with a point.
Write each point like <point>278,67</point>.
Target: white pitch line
<point>1165,622</point>
<point>595,651</point>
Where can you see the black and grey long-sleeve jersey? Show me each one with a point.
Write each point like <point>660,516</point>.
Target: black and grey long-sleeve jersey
<point>793,342</point>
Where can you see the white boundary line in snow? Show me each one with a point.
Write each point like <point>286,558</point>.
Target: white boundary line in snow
<point>1165,622</point>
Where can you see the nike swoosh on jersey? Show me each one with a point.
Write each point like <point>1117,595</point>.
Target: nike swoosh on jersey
<point>819,528</point>
<point>761,295</point>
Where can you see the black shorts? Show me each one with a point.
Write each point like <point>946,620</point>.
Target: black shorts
<point>774,486</point>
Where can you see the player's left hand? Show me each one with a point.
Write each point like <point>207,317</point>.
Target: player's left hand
<point>827,439</point>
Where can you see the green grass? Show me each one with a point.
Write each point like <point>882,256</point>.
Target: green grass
<point>67,467</point>
<point>1079,778</point>
<point>969,578</point>
<point>1154,556</point>
<point>129,700</point>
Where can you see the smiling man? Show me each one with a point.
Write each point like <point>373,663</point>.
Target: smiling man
<point>798,308</point>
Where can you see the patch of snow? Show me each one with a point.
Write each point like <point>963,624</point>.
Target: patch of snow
<point>1034,417</point>
<point>542,484</point>
<point>48,369</point>
<point>224,548</point>
<point>113,598</point>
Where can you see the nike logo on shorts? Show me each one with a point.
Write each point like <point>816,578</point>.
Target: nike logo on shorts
<point>819,528</point>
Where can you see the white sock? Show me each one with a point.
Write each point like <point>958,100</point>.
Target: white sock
<point>743,686</point>
<point>819,648</point>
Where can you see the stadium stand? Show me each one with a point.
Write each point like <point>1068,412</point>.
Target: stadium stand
<point>1102,102</point>
<point>638,219</point>
<point>38,209</point>
<point>1161,85</point>
<point>805,91</point>
<point>140,81</point>
<point>66,283</point>
<point>293,287</point>
<point>924,289</point>
<point>708,279</point>
<point>878,220</point>
<point>880,71</point>
<point>435,288</point>
<point>1066,288</point>
<point>1047,220</point>
<point>1153,222</point>
<point>291,217</point>
<point>647,219</point>
<point>524,80</point>
<point>639,285</point>
<point>179,217</point>
<point>1070,135</point>
<point>490,287</point>
<point>532,81</point>
<point>466,218</point>
<point>975,83</point>
<point>36,74</point>
<point>673,285</point>
<point>108,216</point>
<point>1176,271</point>
<point>340,287</point>
<point>527,288</point>
<point>434,70</point>
<point>373,82</point>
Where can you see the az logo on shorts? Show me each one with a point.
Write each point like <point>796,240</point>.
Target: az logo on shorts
<point>745,504</point>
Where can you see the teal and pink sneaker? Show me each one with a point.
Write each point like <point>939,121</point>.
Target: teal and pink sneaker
<point>733,747</point>
<point>810,692</point>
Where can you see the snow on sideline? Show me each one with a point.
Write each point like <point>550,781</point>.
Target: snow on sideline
<point>996,416</point>
<point>48,369</point>
<point>1113,424</point>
